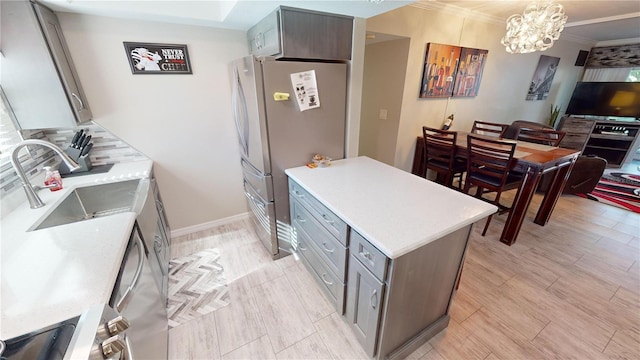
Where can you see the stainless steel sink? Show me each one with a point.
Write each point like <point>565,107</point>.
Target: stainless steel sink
<point>90,202</point>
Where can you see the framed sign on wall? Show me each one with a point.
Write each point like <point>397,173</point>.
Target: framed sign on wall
<point>146,58</point>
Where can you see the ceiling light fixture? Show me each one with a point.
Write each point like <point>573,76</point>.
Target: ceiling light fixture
<point>536,29</point>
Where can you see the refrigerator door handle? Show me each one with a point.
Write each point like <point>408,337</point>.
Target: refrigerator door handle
<point>240,112</point>
<point>251,170</point>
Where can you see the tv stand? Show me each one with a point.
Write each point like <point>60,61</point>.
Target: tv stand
<point>612,140</point>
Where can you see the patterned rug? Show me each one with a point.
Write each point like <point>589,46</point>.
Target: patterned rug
<point>618,189</point>
<point>196,286</point>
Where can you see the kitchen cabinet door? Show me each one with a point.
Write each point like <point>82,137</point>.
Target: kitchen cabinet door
<point>38,77</point>
<point>364,304</point>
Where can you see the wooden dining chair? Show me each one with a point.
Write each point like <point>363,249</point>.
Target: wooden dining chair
<point>488,128</point>
<point>488,164</point>
<point>440,156</point>
<point>540,136</point>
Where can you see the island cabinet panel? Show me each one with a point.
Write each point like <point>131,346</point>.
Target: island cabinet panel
<point>392,304</point>
<point>327,247</point>
<point>421,284</point>
<point>320,236</point>
<point>364,304</point>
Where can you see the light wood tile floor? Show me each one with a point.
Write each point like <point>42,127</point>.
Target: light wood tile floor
<point>568,290</point>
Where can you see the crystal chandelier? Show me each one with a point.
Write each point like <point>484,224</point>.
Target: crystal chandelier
<point>536,29</point>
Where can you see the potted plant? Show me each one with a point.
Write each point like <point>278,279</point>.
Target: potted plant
<point>555,111</point>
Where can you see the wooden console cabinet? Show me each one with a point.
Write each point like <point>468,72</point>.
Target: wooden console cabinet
<point>609,139</point>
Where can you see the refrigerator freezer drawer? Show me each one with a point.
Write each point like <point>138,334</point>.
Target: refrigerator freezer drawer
<point>263,216</point>
<point>261,183</point>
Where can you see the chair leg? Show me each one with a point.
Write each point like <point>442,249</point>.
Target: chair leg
<point>486,225</point>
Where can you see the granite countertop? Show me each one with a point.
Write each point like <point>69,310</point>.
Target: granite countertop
<point>396,211</point>
<point>54,274</point>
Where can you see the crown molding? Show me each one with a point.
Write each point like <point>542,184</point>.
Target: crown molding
<point>604,19</point>
<point>618,42</point>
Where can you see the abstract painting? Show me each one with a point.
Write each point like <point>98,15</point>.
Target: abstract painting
<point>439,70</point>
<point>469,72</point>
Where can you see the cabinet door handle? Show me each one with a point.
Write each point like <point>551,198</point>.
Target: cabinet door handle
<point>129,292</point>
<point>367,255</point>
<point>75,96</point>
<point>325,248</point>
<point>325,280</point>
<point>301,220</point>
<point>159,205</point>
<point>374,299</point>
<point>327,219</point>
<point>298,194</point>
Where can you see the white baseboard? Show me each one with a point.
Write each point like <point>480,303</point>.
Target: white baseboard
<point>208,225</point>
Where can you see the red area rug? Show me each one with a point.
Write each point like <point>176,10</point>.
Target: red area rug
<point>617,189</point>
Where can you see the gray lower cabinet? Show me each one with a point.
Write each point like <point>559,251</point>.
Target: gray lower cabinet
<point>155,235</point>
<point>392,305</point>
<point>321,238</point>
<point>364,303</point>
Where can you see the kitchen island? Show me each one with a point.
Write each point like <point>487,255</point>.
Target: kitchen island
<point>386,247</point>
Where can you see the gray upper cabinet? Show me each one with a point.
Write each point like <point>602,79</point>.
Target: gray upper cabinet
<point>302,34</point>
<point>38,75</point>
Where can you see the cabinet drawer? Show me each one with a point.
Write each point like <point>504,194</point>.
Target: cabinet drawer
<point>369,255</point>
<point>327,280</point>
<point>577,126</point>
<point>333,252</point>
<point>326,217</point>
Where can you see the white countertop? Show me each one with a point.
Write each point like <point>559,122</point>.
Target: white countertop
<point>56,273</point>
<point>396,211</point>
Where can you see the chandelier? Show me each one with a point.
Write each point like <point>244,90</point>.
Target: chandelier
<point>536,29</point>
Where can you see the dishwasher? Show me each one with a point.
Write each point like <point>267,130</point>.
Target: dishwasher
<point>137,298</point>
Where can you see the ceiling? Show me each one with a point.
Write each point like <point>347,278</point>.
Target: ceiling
<point>590,21</point>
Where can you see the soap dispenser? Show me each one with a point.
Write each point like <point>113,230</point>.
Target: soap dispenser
<point>52,179</point>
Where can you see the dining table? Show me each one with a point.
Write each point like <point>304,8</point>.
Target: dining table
<point>532,161</point>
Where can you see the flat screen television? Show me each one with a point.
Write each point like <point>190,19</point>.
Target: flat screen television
<point>620,99</point>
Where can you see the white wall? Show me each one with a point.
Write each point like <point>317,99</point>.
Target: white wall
<point>182,122</point>
<point>384,74</point>
<point>505,80</point>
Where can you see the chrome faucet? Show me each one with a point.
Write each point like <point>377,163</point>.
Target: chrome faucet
<point>34,200</point>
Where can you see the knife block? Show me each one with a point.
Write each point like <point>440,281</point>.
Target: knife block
<point>83,161</point>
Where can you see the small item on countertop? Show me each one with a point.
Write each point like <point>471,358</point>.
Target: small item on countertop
<point>85,142</point>
<point>79,142</point>
<point>76,137</point>
<point>52,179</point>
<point>86,149</point>
<point>320,161</point>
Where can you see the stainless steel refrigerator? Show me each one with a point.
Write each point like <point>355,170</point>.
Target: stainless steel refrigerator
<point>275,134</point>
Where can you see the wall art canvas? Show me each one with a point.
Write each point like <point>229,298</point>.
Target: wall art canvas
<point>542,78</point>
<point>145,58</point>
<point>469,73</point>
<point>614,56</point>
<point>439,70</point>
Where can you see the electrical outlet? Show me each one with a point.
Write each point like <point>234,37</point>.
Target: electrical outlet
<point>382,114</point>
